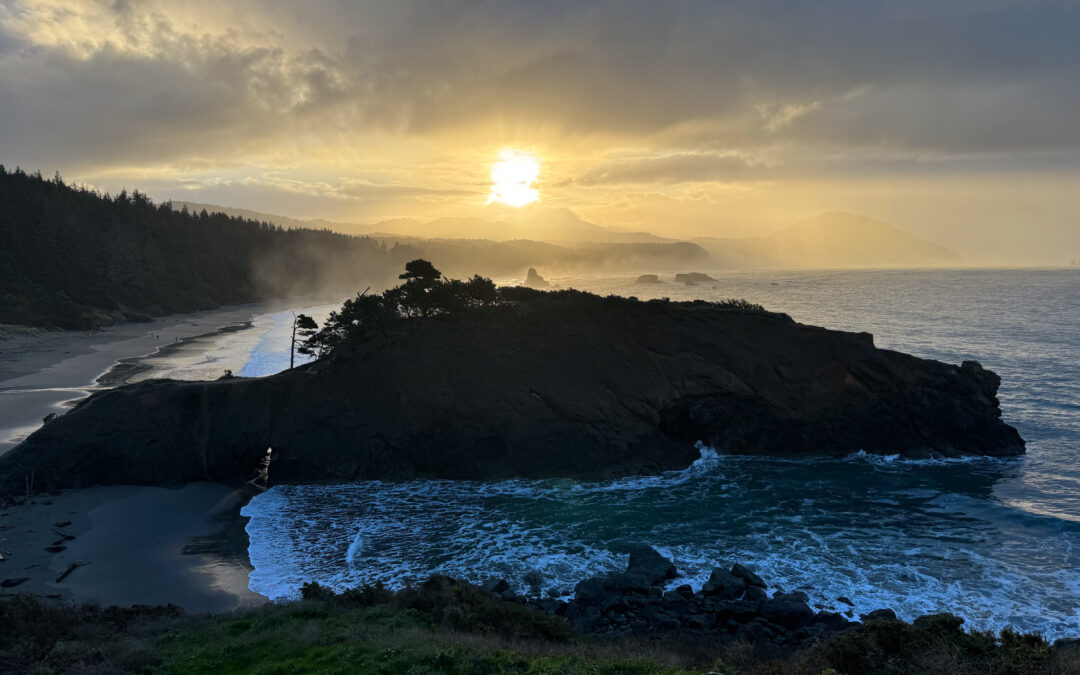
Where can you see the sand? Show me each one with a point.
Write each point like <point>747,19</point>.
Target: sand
<point>45,373</point>
<point>140,545</point>
<point>134,545</point>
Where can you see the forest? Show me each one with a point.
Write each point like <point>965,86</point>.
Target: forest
<point>75,258</point>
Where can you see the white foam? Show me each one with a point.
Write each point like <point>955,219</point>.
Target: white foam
<point>924,550</point>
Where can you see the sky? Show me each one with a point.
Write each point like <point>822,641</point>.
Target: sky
<point>957,120</point>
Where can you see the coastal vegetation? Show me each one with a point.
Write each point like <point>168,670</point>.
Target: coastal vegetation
<point>71,257</point>
<point>424,294</point>
<point>447,626</point>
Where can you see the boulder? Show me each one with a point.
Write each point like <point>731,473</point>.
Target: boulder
<point>789,610</point>
<point>878,615</point>
<point>755,596</point>
<point>944,623</point>
<point>753,632</point>
<point>832,622</point>
<point>646,562</point>
<point>736,611</point>
<point>747,575</point>
<point>724,585</point>
<point>609,589</point>
<point>496,586</point>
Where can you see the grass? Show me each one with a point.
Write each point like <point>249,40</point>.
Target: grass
<point>443,626</point>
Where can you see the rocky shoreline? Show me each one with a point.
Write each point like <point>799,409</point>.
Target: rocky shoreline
<point>734,605</point>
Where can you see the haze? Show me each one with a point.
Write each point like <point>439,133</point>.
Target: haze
<point>955,121</point>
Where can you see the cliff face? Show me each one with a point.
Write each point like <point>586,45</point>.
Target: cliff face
<point>580,387</point>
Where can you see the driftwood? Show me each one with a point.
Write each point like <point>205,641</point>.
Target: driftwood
<point>12,583</point>
<point>71,568</point>
<point>63,536</point>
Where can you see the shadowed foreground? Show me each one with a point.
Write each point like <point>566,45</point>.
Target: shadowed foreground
<point>445,626</point>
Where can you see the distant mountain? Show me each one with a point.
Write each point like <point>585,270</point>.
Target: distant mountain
<point>560,226</point>
<point>551,240</point>
<point>511,259</point>
<point>832,240</point>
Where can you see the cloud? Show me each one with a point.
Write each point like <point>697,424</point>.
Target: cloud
<point>398,107</point>
<point>839,73</point>
<point>674,168</point>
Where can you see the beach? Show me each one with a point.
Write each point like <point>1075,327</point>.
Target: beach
<point>46,372</point>
<point>140,545</point>
<point>131,545</point>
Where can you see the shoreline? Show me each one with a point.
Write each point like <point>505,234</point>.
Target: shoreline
<point>131,545</point>
<point>125,369</point>
<point>120,545</point>
<point>48,372</point>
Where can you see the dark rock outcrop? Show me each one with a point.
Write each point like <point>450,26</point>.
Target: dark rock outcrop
<point>693,278</point>
<point>534,280</point>
<point>625,603</point>
<point>645,561</point>
<point>648,279</point>
<point>561,384</point>
<point>727,606</point>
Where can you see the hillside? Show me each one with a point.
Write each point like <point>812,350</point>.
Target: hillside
<point>560,226</point>
<point>463,257</point>
<point>73,258</point>
<point>553,240</point>
<point>832,240</point>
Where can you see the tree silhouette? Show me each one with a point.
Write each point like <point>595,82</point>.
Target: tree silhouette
<point>71,257</point>
<point>424,294</point>
<point>305,327</point>
<point>421,271</point>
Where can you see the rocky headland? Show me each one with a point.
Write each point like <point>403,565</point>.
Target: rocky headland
<point>559,384</point>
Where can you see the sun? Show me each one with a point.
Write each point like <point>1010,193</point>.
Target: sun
<point>512,177</point>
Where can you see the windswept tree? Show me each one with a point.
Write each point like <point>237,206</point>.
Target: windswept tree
<point>302,329</point>
<point>421,272</point>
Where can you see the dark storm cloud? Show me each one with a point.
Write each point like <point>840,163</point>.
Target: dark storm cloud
<point>923,76</point>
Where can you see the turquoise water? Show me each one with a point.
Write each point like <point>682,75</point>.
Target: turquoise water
<point>996,541</point>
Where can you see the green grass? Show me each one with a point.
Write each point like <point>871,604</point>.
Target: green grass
<point>443,626</point>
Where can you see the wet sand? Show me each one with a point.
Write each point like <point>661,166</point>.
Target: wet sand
<point>48,372</point>
<point>131,545</point>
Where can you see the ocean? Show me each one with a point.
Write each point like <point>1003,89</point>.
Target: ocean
<point>994,541</point>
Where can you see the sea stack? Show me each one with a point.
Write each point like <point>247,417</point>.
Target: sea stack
<point>534,280</point>
<point>693,278</point>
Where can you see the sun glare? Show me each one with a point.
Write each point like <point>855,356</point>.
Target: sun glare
<point>512,177</point>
